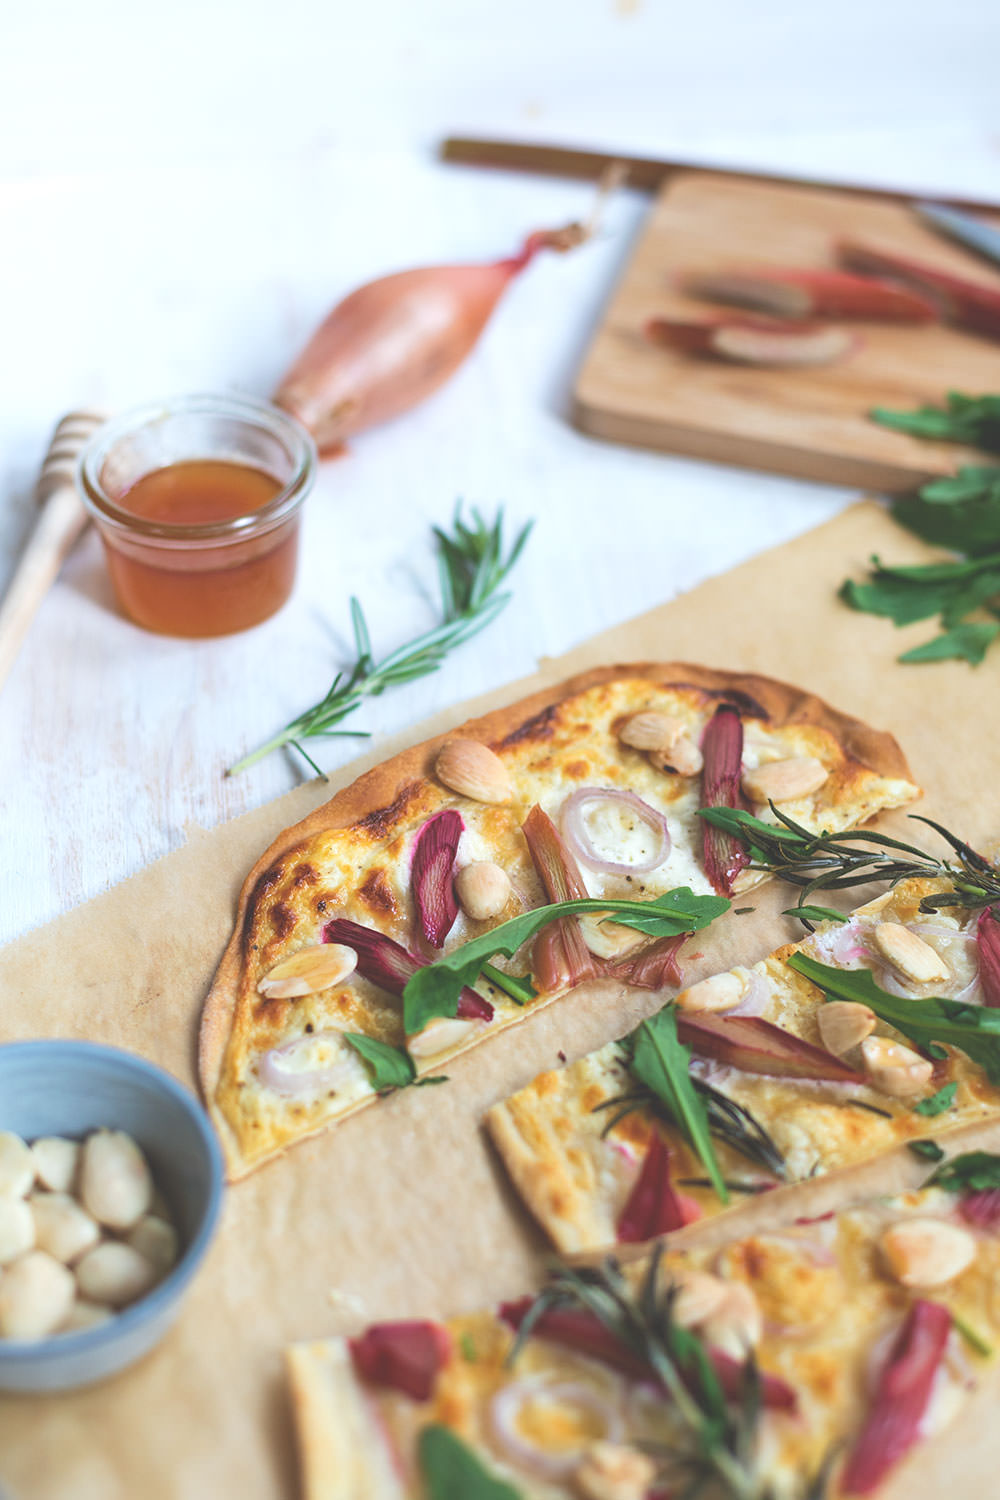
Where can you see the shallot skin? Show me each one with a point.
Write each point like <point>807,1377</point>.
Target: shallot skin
<point>392,342</point>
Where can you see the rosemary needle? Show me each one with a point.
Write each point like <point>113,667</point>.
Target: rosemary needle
<point>471,569</point>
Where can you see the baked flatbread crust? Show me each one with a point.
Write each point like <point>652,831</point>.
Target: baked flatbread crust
<point>350,858</point>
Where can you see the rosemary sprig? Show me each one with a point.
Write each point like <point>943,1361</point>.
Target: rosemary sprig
<point>829,862</point>
<point>719,1437</point>
<point>730,1121</point>
<point>471,569</point>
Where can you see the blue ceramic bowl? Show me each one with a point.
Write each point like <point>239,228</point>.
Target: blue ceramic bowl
<point>71,1089</point>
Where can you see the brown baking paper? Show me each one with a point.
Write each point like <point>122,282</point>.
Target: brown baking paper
<point>402,1211</point>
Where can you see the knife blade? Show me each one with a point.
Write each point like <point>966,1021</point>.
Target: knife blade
<point>974,233</point>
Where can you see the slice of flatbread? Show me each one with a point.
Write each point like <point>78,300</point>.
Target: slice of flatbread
<point>576,1163</point>
<point>870,1330</point>
<point>351,860</point>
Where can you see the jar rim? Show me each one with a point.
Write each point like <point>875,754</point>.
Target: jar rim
<point>279,424</point>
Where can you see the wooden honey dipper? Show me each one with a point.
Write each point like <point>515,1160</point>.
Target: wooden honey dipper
<point>61,519</point>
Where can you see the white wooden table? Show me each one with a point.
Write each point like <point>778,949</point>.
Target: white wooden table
<point>184,193</point>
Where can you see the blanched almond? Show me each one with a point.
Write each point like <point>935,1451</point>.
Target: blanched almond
<point>844,1024</point>
<point>114,1273</point>
<point>309,971</point>
<point>473,770</point>
<point>683,757</point>
<point>784,780</point>
<point>83,1315</point>
<point>36,1294</point>
<point>613,1471</point>
<point>56,1161</point>
<point>17,1228</point>
<point>927,1252</point>
<point>894,1069</point>
<point>62,1227</point>
<point>651,731</point>
<point>718,992</point>
<point>909,954</point>
<point>439,1033</point>
<point>115,1182</point>
<point>700,1295</point>
<point>17,1165</point>
<point>737,1326</point>
<point>483,889</point>
<point>156,1241</point>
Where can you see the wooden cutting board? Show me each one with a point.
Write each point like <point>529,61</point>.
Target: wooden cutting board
<point>809,423</point>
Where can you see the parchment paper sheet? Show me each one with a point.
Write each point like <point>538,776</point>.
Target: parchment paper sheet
<point>402,1210</point>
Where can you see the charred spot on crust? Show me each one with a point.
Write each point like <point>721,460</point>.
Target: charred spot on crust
<point>541,727</point>
<point>381,821</point>
<point>265,883</point>
<point>377,894</point>
<point>742,702</point>
<point>282,919</point>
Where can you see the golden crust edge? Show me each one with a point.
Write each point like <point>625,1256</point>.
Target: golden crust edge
<point>783,703</point>
<point>325,1394</point>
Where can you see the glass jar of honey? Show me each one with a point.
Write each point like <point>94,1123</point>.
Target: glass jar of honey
<point>197,502</point>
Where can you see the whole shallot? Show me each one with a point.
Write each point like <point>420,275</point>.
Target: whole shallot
<point>392,342</point>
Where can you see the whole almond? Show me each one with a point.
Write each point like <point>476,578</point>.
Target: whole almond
<point>718,992</point>
<point>651,730</point>
<point>928,1252</point>
<point>909,954</point>
<point>894,1069</point>
<point>473,770</point>
<point>309,971</point>
<point>683,757</point>
<point>483,889</point>
<point>784,780</point>
<point>844,1024</point>
<point>700,1295</point>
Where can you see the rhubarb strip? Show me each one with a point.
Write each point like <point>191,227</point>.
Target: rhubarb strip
<point>967,304</point>
<point>722,749</point>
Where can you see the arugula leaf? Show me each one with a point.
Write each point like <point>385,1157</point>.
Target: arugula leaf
<point>661,1062</point>
<point>968,642</point>
<point>973,1029</point>
<point>451,1471</point>
<point>816,914</point>
<point>907,594</point>
<point>964,419</point>
<point>960,512</point>
<point>390,1067</point>
<point>970,524</point>
<point>937,1103</point>
<point>435,989</point>
<point>973,1172</point>
<point>927,1150</point>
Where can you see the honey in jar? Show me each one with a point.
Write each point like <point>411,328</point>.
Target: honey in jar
<point>198,509</point>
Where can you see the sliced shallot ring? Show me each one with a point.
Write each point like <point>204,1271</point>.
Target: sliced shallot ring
<point>574,829</point>
<point>755,997</point>
<point>529,1456</point>
<point>908,989</point>
<point>288,1083</point>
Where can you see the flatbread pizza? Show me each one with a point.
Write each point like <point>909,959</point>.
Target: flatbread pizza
<point>587,792</point>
